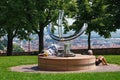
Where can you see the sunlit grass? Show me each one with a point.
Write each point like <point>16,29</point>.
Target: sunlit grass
<point>114,59</point>
<point>6,74</point>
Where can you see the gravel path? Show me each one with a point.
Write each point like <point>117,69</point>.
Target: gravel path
<point>34,69</point>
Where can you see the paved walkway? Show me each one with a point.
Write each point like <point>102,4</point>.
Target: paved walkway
<point>34,69</point>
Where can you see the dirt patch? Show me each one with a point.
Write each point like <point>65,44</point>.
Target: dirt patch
<point>34,69</point>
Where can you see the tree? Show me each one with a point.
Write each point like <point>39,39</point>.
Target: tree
<point>93,12</point>
<point>42,12</point>
<point>12,21</point>
<point>114,10</point>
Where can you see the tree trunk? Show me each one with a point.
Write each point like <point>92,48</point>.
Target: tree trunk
<point>41,40</point>
<point>89,42</point>
<point>29,45</point>
<point>9,45</point>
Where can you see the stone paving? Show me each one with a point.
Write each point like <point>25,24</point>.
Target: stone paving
<point>34,69</point>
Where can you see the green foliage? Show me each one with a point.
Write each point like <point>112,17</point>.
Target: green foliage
<point>70,8</point>
<point>42,12</point>
<point>95,13</point>
<point>17,48</point>
<point>114,10</point>
<point>3,43</point>
<point>12,19</point>
<point>19,18</point>
<point>13,22</point>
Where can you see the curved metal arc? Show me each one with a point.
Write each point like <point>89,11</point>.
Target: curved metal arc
<point>81,31</point>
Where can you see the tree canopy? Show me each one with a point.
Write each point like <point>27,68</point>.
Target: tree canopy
<point>13,21</point>
<point>114,10</point>
<point>20,18</point>
<point>41,13</point>
<point>94,13</point>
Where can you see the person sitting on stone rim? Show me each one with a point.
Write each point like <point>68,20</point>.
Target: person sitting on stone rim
<point>99,59</point>
<point>51,51</point>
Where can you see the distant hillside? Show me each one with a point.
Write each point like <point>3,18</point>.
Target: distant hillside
<point>78,43</point>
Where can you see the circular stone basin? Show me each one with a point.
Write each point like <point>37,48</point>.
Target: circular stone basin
<point>54,63</point>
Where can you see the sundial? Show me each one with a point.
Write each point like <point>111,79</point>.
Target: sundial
<point>65,39</point>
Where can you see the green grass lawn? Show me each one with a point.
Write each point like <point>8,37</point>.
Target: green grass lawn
<point>6,74</point>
